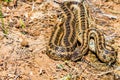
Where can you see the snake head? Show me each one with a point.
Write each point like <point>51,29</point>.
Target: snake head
<point>105,53</point>
<point>107,56</point>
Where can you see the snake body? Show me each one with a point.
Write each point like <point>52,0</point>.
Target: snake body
<point>70,39</point>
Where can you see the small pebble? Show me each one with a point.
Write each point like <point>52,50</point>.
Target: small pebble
<point>24,43</point>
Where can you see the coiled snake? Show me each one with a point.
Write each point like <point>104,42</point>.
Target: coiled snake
<point>70,39</point>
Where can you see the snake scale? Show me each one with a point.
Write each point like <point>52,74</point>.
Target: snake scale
<point>71,37</point>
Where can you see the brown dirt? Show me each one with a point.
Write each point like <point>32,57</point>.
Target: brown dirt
<point>29,25</point>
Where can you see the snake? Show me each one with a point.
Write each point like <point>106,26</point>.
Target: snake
<point>70,39</point>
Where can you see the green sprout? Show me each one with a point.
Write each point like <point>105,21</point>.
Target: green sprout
<point>67,77</point>
<point>22,24</point>
<point>7,0</point>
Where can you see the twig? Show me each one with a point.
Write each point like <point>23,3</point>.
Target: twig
<point>110,16</point>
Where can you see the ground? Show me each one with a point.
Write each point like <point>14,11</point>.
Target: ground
<point>25,30</point>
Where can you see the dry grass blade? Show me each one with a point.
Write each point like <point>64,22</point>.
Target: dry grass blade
<point>2,21</point>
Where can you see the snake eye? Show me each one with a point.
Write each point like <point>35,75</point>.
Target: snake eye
<point>104,56</point>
